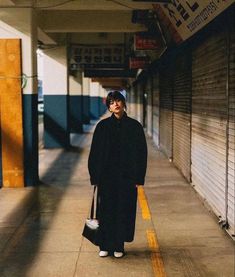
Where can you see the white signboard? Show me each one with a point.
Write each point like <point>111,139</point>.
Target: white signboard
<point>187,17</point>
<point>86,56</point>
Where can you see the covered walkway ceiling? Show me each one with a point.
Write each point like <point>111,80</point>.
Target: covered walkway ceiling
<point>58,16</point>
<point>107,22</point>
<point>87,22</point>
<point>84,15</point>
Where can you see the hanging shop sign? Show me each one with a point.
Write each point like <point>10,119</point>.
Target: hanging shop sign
<point>188,17</point>
<point>146,41</point>
<point>101,56</point>
<point>138,62</point>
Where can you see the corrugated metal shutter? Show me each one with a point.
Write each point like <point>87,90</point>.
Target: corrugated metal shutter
<point>182,115</point>
<point>209,119</point>
<point>231,135</point>
<point>140,102</point>
<point>156,104</point>
<point>148,90</point>
<point>166,102</point>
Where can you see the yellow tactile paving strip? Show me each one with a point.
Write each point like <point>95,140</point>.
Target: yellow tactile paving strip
<point>143,204</point>
<point>157,262</point>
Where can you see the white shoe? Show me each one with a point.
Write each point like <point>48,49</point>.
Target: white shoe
<point>103,253</point>
<point>118,254</point>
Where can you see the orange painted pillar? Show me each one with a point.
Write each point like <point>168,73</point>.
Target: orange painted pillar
<point>11,113</point>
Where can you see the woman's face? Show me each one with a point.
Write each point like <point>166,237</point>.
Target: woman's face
<point>116,106</point>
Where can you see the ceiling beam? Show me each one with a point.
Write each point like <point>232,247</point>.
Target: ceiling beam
<point>98,5</point>
<point>92,5</point>
<point>110,82</point>
<point>7,3</point>
<point>45,38</point>
<point>91,73</point>
<point>88,21</point>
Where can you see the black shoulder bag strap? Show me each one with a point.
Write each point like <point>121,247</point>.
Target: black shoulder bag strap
<point>94,204</point>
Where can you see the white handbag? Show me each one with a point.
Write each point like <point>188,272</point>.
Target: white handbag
<point>92,223</point>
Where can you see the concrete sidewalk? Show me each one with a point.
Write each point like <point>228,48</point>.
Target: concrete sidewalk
<point>40,228</point>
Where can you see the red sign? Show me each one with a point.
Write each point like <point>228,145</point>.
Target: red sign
<point>145,41</point>
<point>138,62</point>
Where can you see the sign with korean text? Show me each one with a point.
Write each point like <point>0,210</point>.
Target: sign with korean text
<point>188,17</point>
<point>101,56</point>
<point>146,41</point>
<point>138,62</point>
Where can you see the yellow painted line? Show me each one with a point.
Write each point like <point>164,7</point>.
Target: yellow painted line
<point>152,241</point>
<point>157,262</point>
<point>156,258</point>
<point>143,204</point>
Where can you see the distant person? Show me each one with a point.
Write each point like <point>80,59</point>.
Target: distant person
<point>117,165</point>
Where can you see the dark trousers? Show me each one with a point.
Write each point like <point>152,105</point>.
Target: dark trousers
<point>111,246</point>
<point>113,219</point>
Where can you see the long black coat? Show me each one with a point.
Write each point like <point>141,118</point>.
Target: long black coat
<point>117,162</point>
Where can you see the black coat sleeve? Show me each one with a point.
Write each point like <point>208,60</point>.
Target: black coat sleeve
<point>95,156</point>
<point>141,160</point>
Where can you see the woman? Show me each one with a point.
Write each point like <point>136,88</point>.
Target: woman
<point>117,165</point>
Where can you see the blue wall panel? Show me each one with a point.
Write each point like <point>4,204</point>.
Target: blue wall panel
<point>94,107</point>
<point>86,109</point>
<point>75,113</point>
<point>30,132</point>
<point>56,127</point>
<point>103,107</point>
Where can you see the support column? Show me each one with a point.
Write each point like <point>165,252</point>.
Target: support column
<point>75,102</point>
<point>85,100</point>
<point>102,100</point>
<point>56,104</point>
<point>94,100</point>
<point>24,104</point>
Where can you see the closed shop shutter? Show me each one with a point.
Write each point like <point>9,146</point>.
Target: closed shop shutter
<point>231,135</point>
<point>166,94</point>
<point>140,103</point>
<point>182,115</point>
<point>148,91</point>
<point>209,119</point>
<point>156,104</point>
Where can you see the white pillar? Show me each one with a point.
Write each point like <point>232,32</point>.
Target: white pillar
<point>85,99</point>
<point>95,100</point>
<point>55,90</point>
<point>75,102</point>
